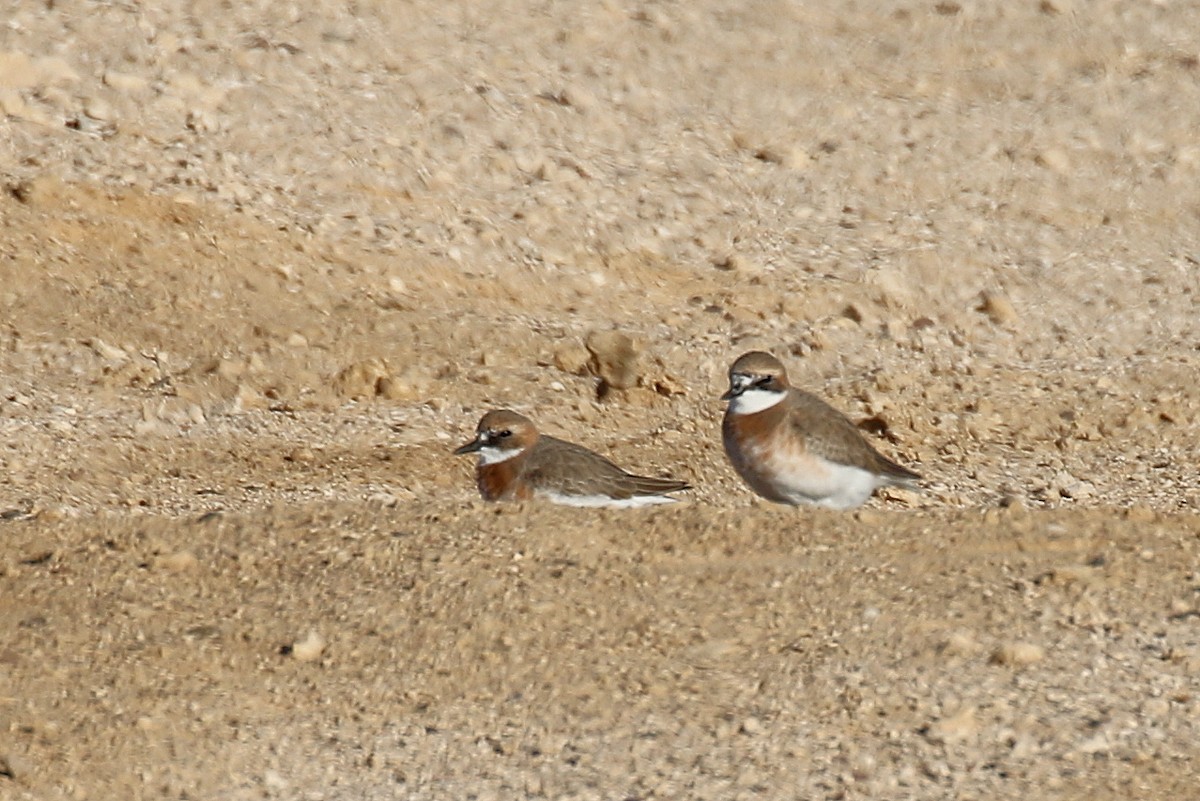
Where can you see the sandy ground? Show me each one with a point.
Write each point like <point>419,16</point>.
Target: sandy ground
<point>263,265</point>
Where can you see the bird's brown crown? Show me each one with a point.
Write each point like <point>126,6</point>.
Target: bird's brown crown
<point>759,369</point>
<point>506,429</point>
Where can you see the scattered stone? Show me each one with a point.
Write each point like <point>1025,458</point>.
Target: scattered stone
<point>310,648</point>
<point>737,263</point>
<point>1075,574</point>
<point>1054,159</point>
<point>13,767</point>
<point>13,105</point>
<point>126,82</point>
<point>273,782</point>
<point>178,562</point>
<point>1182,608</point>
<point>572,357</point>
<point>577,96</point>
<point>960,644</point>
<point>1018,654</point>
<point>668,385</point>
<point>614,359</point>
<point>999,310</point>
<point>1156,708</point>
<point>202,121</point>
<point>1096,744</point>
<point>300,455</point>
<point>247,398</point>
<point>99,109</point>
<point>196,414</point>
<point>1068,486</point>
<point>956,728</point>
<point>413,384</point>
<point>854,313</point>
<point>363,379</point>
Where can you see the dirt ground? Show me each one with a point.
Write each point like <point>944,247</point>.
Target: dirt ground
<point>263,265</point>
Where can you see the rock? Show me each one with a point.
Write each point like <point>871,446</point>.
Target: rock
<point>666,384</point>
<point>1055,160</point>
<point>13,767</point>
<point>202,121</point>
<point>99,109</point>
<point>572,357</point>
<point>1156,709</point>
<point>614,358</point>
<point>247,398</point>
<point>737,263</point>
<point>273,782</point>
<point>999,309</point>
<point>412,384</point>
<point>300,455</point>
<point>126,82</point>
<point>196,414</point>
<point>577,96</point>
<point>178,562</point>
<point>310,648</point>
<point>1068,486</point>
<point>956,728</point>
<point>1096,744</point>
<point>1018,654</point>
<point>959,644</point>
<point>363,379</point>
<point>1075,574</point>
<point>13,105</point>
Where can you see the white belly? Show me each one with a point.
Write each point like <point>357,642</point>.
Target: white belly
<point>836,486</point>
<point>788,477</point>
<point>604,500</point>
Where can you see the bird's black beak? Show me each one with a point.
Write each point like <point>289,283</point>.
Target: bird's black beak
<point>470,447</point>
<point>732,393</point>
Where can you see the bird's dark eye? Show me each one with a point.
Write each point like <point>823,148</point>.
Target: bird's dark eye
<point>762,381</point>
<point>503,434</point>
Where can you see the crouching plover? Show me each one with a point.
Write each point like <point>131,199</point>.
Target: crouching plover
<point>792,447</point>
<point>518,463</point>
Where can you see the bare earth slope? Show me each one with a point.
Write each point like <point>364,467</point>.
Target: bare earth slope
<point>262,266</point>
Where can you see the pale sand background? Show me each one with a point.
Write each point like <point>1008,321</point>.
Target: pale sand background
<point>263,264</point>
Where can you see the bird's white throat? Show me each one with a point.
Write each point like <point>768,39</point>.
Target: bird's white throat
<point>488,455</point>
<point>755,400</point>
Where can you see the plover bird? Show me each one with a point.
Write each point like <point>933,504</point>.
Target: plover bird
<point>518,463</point>
<point>792,447</point>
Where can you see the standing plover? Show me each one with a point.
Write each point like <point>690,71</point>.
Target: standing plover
<point>792,447</point>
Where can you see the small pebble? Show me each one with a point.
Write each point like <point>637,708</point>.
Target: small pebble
<point>310,648</point>
<point>1018,654</point>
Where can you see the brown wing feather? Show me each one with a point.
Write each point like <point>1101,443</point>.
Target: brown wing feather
<point>562,467</point>
<point>846,443</point>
